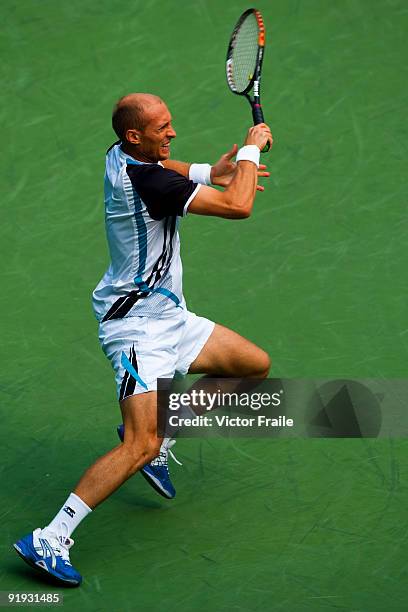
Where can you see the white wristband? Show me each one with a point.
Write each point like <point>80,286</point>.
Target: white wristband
<point>249,153</point>
<point>200,173</point>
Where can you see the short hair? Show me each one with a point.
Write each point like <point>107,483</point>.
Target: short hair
<point>130,114</point>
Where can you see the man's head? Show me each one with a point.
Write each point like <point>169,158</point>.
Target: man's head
<point>143,123</point>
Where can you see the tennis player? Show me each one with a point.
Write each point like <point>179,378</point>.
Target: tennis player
<point>145,328</point>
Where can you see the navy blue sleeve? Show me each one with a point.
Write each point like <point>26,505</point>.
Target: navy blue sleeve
<point>165,192</point>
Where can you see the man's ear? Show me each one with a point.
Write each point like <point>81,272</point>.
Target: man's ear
<point>133,136</point>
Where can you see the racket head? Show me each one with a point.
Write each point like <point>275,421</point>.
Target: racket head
<point>245,52</point>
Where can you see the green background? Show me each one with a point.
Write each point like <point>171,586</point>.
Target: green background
<point>316,276</point>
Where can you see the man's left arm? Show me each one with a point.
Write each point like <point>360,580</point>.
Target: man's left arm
<point>181,167</point>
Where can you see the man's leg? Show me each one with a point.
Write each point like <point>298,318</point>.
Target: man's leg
<point>224,354</point>
<point>228,354</point>
<point>48,549</point>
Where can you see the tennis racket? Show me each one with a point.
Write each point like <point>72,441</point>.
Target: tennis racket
<point>244,61</point>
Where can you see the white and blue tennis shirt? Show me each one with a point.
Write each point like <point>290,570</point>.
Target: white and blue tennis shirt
<point>143,204</point>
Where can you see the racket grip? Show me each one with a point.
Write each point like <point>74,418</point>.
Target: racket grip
<point>257,114</point>
<point>258,118</point>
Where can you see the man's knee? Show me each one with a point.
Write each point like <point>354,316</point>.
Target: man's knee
<point>262,365</point>
<point>257,366</point>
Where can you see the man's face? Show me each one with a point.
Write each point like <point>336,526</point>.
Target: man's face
<point>156,137</point>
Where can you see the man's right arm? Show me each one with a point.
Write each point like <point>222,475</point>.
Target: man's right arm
<point>237,200</point>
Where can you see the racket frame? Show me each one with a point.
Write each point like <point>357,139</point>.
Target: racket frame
<point>255,81</point>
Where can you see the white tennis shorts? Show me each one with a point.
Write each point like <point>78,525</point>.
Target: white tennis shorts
<point>143,349</point>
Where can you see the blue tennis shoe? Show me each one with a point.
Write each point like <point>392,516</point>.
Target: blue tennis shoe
<point>157,471</point>
<point>50,555</point>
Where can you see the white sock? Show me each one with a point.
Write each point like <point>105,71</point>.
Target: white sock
<point>68,518</point>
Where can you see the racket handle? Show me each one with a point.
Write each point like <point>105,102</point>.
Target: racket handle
<point>258,118</point>
<point>257,114</point>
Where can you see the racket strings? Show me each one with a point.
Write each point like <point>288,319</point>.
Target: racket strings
<point>244,53</point>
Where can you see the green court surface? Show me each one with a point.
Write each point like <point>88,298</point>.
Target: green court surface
<point>316,276</point>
